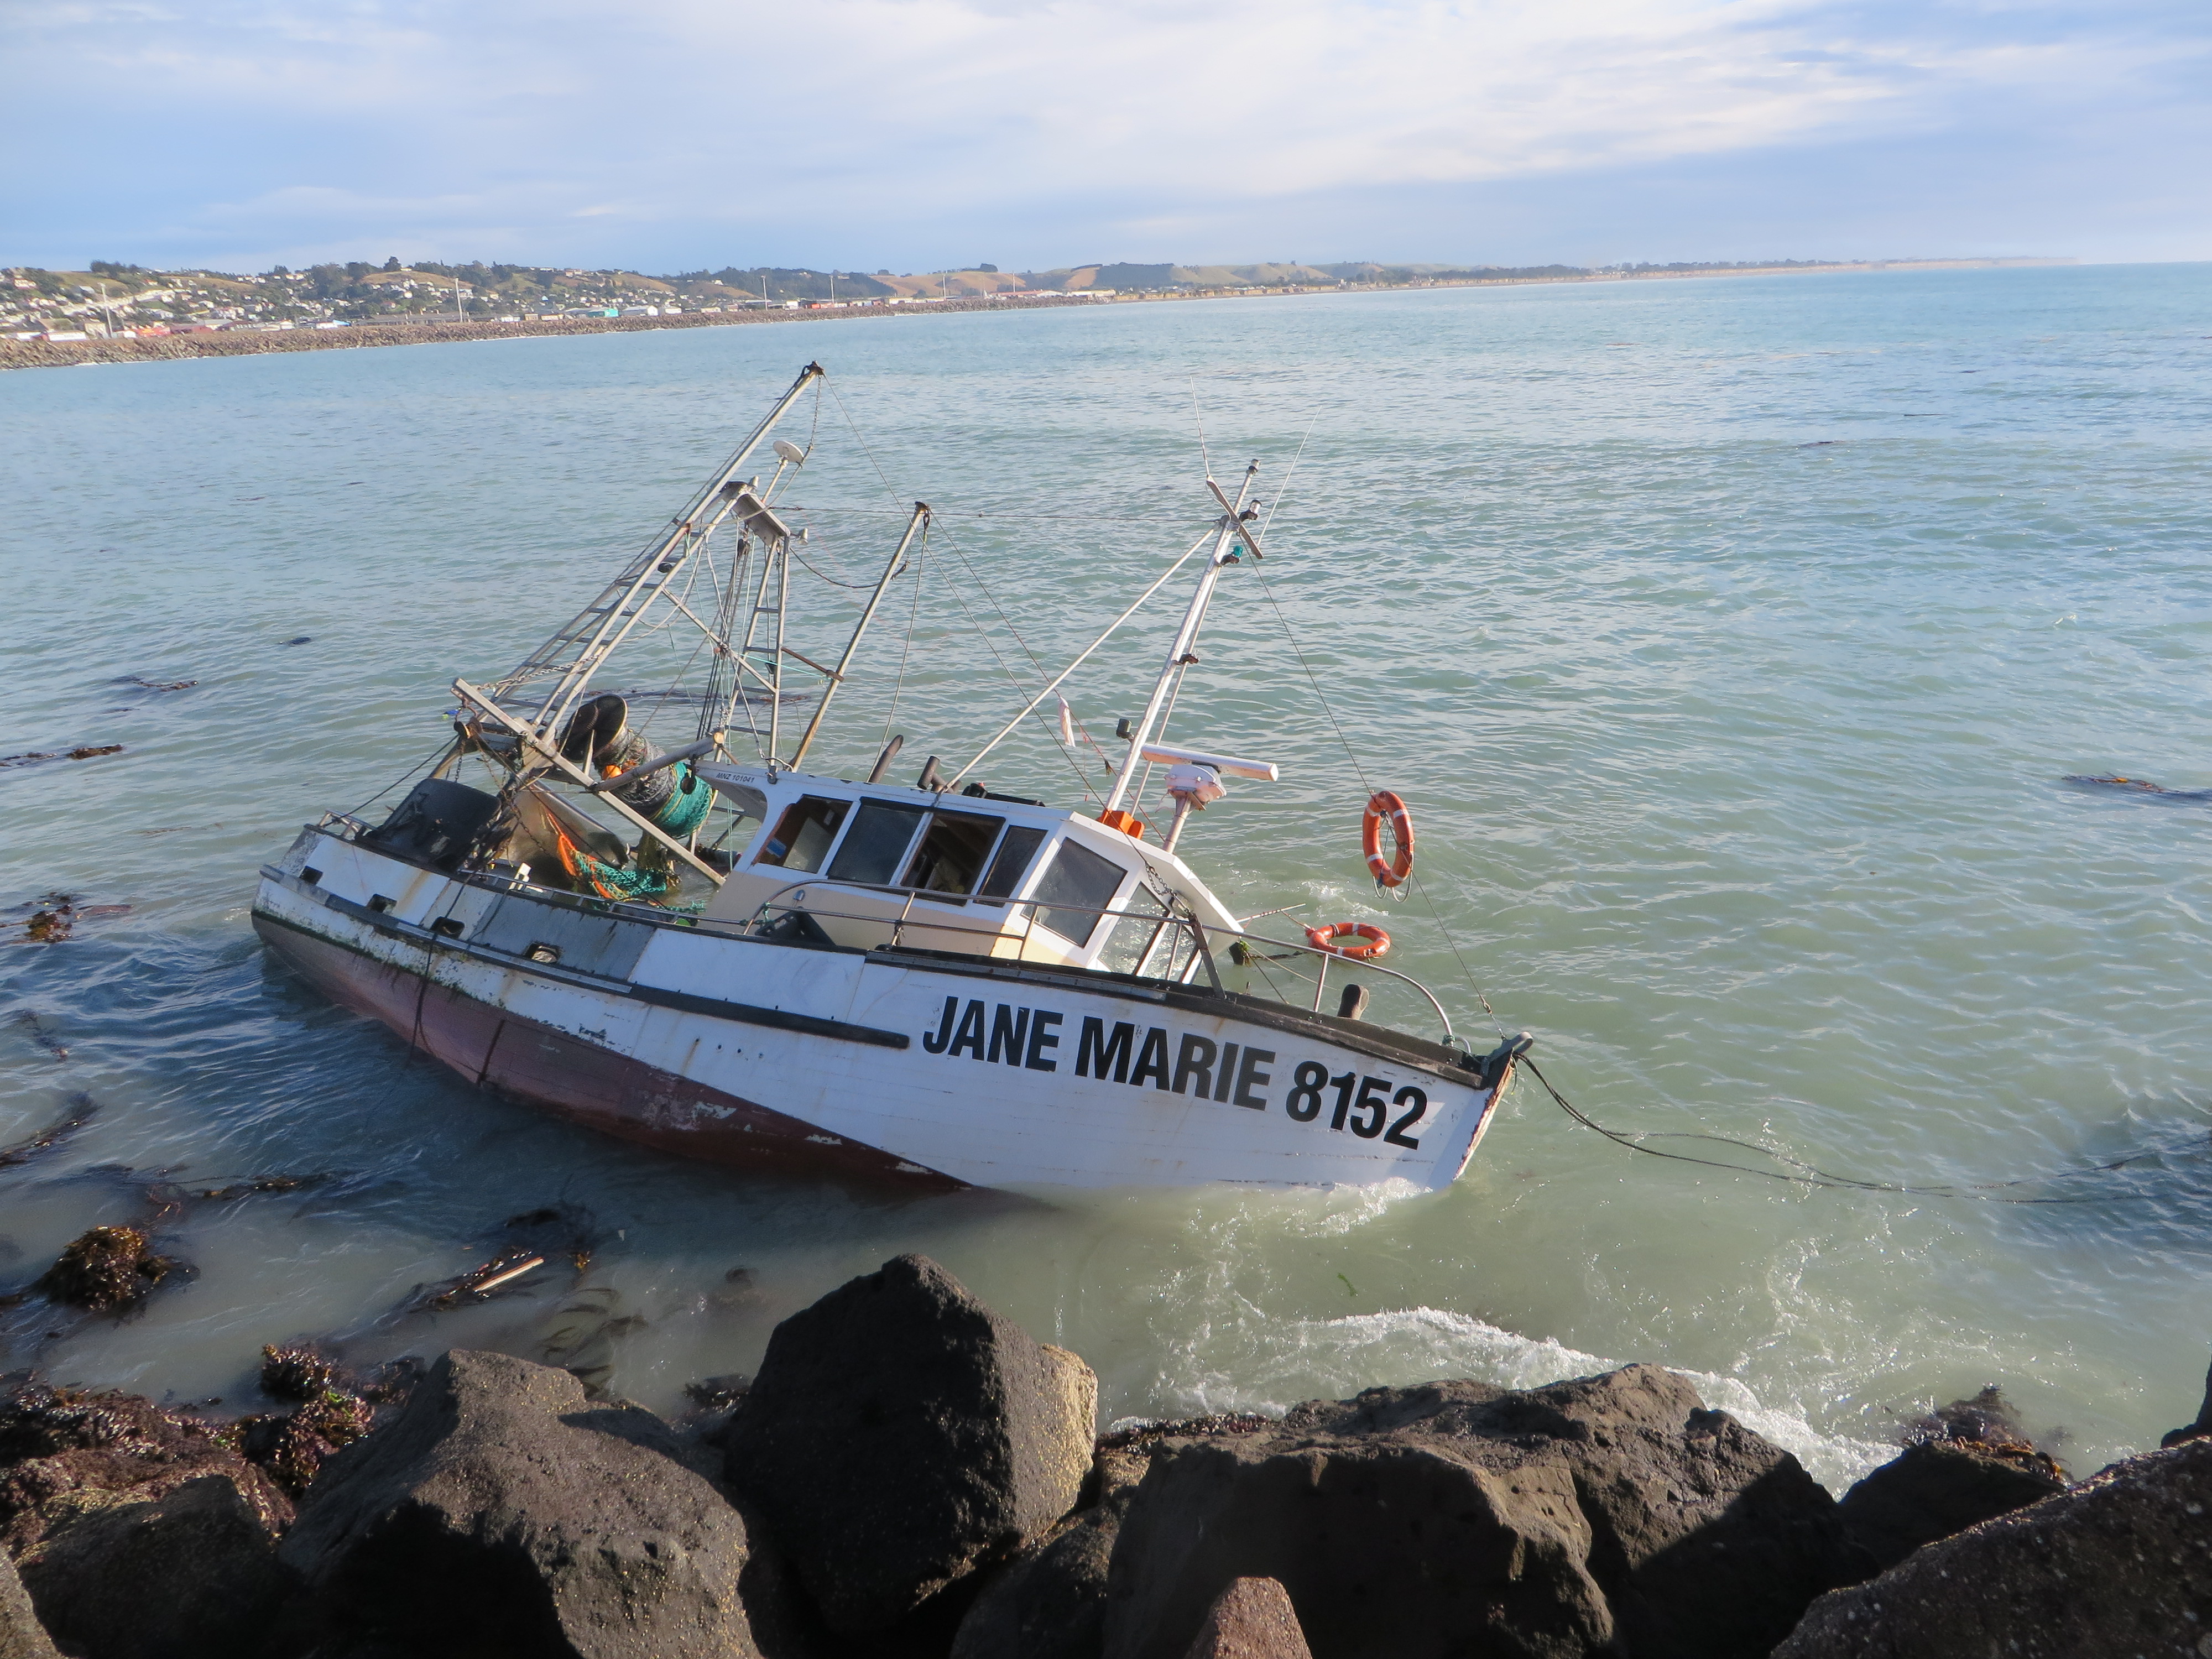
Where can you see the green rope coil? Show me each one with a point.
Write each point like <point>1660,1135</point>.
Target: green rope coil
<point>685,809</point>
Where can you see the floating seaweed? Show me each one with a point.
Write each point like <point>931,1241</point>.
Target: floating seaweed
<point>261,1185</point>
<point>580,1337</point>
<point>58,913</point>
<point>2138,787</point>
<point>82,1109</point>
<point>106,1270</point>
<point>38,756</point>
<point>526,1242</point>
<point>36,1025</point>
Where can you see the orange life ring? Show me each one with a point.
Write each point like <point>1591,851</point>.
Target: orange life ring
<point>1388,872</point>
<point>1325,938</point>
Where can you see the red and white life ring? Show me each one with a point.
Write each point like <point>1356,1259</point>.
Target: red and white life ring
<point>1385,805</point>
<point>1374,941</point>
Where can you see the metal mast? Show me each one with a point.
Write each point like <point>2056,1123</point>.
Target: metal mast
<point>1231,529</point>
<point>914,526</point>
<point>572,656</point>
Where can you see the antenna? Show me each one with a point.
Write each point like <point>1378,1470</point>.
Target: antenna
<point>791,451</point>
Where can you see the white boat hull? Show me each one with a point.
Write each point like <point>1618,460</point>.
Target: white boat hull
<point>909,1066</point>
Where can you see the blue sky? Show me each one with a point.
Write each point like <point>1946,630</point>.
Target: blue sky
<point>916,134</point>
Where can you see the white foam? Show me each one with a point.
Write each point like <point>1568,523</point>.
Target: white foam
<point>1283,1363</point>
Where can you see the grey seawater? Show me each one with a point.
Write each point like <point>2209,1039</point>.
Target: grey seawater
<point>1728,638</point>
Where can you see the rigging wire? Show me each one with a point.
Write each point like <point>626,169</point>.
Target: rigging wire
<point>1198,416</point>
<point>1068,753</point>
<point>1797,1172</point>
<point>1351,754</point>
<point>436,763</point>
<point>832,581</point>
<point>913,616</point>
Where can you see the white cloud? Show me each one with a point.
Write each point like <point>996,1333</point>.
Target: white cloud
<point>751,112</point>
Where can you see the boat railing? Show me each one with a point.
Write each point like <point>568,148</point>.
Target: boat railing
<point>1338,957</point>
<point>1185,926</point>
<point>1188,927</point>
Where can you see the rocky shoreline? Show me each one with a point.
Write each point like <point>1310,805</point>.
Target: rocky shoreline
<point>911,1476</point>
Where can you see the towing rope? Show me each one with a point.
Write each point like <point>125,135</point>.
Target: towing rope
<point>1984,1192</point>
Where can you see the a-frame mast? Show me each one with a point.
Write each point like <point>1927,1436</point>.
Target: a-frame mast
<point>575,653</point>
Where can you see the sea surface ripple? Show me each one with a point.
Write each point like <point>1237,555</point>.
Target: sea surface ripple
<point>1731,640</point>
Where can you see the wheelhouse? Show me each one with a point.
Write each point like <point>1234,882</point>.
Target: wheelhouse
<point>872,864</point>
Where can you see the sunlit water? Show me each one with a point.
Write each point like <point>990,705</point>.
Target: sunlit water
<point>1729,639</point>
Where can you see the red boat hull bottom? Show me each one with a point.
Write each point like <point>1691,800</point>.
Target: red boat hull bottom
<point>532,1063</point>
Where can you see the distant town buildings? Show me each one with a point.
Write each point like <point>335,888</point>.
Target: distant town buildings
<point>111,299</point>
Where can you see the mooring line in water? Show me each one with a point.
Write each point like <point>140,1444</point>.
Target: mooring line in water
<point>1980,1191</point>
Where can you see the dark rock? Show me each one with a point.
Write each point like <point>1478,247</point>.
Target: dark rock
<point>500,1511</point>
<point>107,1268</point>
<point>2118,1566</point>
<point>190,1575</point>
<point>1942,1487</point>
<point>900,1435</point>
<point>712,1395</point>
<point>21,1635</point>
<point>1253,1618</point>
<point>1987,1419</point>
<point>1613,1514</point>
<point>2202,1425</point>
<point>63,1451</point>
<point>1050,1602</point>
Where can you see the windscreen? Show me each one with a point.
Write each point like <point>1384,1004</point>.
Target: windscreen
<point>1013,862</point>
<point>803,838</point>
<point>1083,883</point>
<point>876,843</point>
<point>952,853</point>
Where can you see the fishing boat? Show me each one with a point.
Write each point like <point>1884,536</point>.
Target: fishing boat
<point>709,948</point>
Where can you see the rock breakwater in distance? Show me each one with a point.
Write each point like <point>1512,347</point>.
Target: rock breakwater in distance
<point>911,1476</point>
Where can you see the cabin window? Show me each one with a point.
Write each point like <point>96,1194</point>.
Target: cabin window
<point>1142,942</point>
<point>1012,863</point>
<point>952,853</point>
<point>802,840</point>
<point>1083,883</point>
<point>878,841</point>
